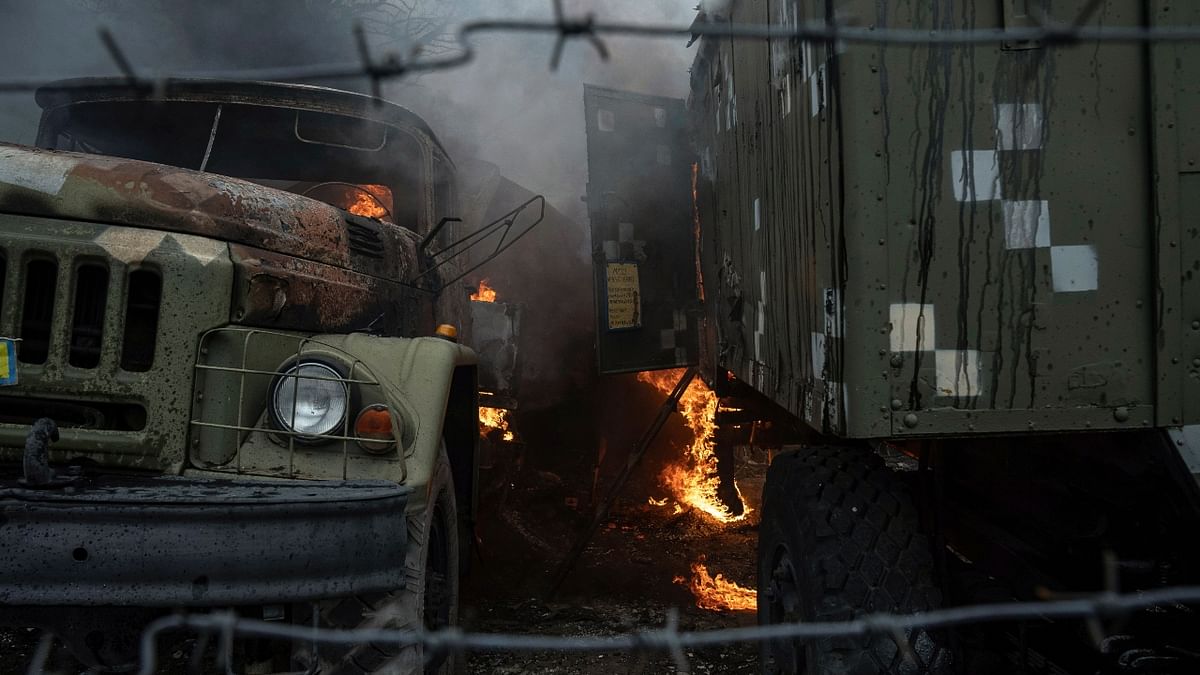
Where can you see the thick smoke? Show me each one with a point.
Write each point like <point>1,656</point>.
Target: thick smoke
<point>509,109</point>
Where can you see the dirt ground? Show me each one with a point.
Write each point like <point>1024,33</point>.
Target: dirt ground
<point>626,581</point>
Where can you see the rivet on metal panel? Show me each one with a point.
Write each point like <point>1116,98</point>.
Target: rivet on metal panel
<point>1174,359</point>
<point>1196,325</point>
<point>897,360</point>
<point>1121,414</point>
<point>897,404</point>
<point>910,420</point>
<point>882,242</point>
<point>1196,363</point>
<point>1031,424</point>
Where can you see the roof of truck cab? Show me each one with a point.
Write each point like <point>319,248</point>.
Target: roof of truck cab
<point>273,94</point>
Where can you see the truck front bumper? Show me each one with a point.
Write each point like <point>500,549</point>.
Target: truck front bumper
<point>170,542</point>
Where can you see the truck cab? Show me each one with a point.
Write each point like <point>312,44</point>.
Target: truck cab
<point>233,375</point>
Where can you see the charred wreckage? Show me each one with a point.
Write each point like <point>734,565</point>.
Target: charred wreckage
<point>237,375</point>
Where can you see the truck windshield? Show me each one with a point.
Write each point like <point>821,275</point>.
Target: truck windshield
<point>358,165</point>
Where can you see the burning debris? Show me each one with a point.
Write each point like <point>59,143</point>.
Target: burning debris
<point>694,483</point>
<point>693,480</point>
<point>484,293</point>
<point>495,420</point>
<point>717,593</point>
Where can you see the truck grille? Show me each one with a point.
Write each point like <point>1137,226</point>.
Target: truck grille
<point>141,320</point>
<point>88,320</point>
<point>41,278</point>
<point>87,324</point>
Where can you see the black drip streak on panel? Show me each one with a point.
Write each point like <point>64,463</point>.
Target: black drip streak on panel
<point>967,212</point>
<point>1100,16</point>
<point>810,208</point>
<point>884,89</point>
<point>837,187</point>
<point>1019,267</point>
<point>937,83</point>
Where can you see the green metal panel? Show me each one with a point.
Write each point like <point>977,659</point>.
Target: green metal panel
<point>935,240</point>
<point>1175,81</point>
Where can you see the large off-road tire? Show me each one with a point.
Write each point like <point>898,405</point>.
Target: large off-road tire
<point>840,538</point>
<point>429,597</point>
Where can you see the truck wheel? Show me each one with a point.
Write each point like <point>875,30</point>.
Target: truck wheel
<point>429,597</point>
<point>839,538</point>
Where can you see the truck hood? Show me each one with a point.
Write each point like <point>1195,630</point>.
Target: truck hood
<point>134,193</point>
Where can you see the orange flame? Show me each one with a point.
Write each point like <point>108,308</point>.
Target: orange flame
<point>485,293</point>
<point>492,419</point>
<point>367,205</point>
<point>717,593</point>
<point>693,480</point>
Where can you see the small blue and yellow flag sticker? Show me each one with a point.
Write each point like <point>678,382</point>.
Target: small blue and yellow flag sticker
<point>8,362</point>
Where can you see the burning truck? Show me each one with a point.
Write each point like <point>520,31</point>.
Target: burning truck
<point>958,283</point>
<point>231,347</point>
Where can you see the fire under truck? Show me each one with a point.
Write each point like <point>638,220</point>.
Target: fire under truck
<point>959,283</point>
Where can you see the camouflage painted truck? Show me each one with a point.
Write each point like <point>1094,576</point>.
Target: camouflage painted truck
<point>966,277</point>
<point>223,383</point>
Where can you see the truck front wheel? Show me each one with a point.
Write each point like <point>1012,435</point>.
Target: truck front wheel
<point>428,600</point>
<point>840,539</point>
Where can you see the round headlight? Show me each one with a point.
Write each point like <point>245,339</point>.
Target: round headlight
<point>309,398</point>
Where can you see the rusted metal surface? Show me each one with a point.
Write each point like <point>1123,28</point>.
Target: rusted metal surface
<point>280,291</point>
<point>118,191</point>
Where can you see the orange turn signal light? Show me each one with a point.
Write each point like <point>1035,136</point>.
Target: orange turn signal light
<point>373,428</point>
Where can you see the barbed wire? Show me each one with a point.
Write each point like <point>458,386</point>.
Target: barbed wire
<point>227,626</point>
<point>1048,32</point>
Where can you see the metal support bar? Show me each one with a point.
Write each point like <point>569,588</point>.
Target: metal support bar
<point>639,450</point>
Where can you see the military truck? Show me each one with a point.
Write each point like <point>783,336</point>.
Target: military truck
<point>230,367</point>
<point>964,278</point>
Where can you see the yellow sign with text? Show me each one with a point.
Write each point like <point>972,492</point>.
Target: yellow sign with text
<point>624,296</point>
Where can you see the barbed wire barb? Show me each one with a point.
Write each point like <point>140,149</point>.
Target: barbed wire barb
<point>364,55</point>
<point>568,29</point>
<point>118,56</point>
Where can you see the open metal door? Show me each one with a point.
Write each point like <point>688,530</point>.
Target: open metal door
<point>643,240</point>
